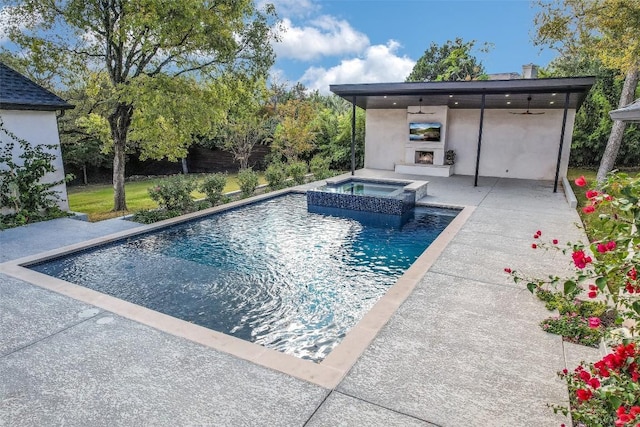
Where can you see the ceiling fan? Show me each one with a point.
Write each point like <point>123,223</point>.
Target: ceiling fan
<point>527,112</point>
<point>419,110</point>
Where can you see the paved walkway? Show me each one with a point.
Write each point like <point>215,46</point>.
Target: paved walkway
<point>464,349</point>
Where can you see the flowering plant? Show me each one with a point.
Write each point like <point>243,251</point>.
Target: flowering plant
<point>607,392</point>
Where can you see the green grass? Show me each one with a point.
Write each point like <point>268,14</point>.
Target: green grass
<point>97,200</point>
<point>588,221</point>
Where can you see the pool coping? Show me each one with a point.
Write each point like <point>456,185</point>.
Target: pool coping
<point>328,373</point>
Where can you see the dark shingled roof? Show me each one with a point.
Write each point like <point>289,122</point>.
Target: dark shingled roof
<point>17,92</point>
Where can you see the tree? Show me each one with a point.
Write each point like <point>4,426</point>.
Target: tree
<point>605,29</point>
<point>157,55</point>
<point>592,123</point>
<point>453,61</point>
<point>295,135</point>
<point>247,123</point>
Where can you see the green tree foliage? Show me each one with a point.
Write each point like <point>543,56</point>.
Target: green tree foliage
<point>296,133</point>
<point>248,122</point>
<point>453,61</point>
<point>607,30</point>
<point>163,61</point>
<point>593,124</point>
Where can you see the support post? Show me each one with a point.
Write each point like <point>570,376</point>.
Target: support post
<point>353,136</point>
<point>564,126</point>
<point>475,182</point>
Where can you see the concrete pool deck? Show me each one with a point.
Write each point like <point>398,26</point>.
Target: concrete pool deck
<point>463,349</point>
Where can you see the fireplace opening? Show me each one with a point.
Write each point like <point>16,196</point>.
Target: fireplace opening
<point>424,157</point>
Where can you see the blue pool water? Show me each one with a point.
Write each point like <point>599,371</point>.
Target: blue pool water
<point>270,273</point>
<point>363,188</point>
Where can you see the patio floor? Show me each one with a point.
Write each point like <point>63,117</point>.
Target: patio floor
<point>464,348</point>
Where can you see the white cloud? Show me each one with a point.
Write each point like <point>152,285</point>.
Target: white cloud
<point>379,64</point>
<point>324,36</point>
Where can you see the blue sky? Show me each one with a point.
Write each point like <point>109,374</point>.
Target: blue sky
<point>363,41</point>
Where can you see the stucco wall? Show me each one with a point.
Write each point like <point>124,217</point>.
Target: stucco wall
<point>513,145</point>
<point>386,133</point>
<point>37,127</point>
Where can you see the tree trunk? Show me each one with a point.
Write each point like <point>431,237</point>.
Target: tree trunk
<point>119,122</point>
<point>185,167</point>
<point>617,130</point>
<point>84,174</point>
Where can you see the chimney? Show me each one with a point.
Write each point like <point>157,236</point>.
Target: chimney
<point>529,71</point>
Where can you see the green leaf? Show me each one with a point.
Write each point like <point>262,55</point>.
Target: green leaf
<point>531,286</point>
<point>601,283</point>
<point>569,286</point>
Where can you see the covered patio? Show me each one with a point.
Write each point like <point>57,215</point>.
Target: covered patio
<point>497,128</point>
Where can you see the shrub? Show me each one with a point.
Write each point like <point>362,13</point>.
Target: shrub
<point>248,181</point>
<point>213,186</point>
<point>297,171</point>
<point>174,193</point>
<point>151,216</point>
<point>574,328</point>
<point>21,189</point>
<point>319,167</point>
<point>275,175</point>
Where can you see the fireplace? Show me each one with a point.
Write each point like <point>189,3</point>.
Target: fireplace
<point>424,157</point>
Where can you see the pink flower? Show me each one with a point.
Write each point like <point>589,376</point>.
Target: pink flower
<point>584,376</point>
<point>611,245</point>
<point>594,322</point>
<point>533,246</point>
<point>608,197</point>
<point>592,294</point>
<point>580,259</point>
<point>584,394</point>
<point>594,382</point>
<point>555,241</point>
<point>580,182</point>
<point>588,209</point>
<point>591,194</point>
<point>539,233</point>
<point>507,270</point>
<point>602,248</point>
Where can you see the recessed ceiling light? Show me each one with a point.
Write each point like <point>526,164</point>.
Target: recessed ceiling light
<point>508,102</point>
<point>506,95</point>
<point>553,94</point>
<point>394,103</point>
<point>385,97</point>
<point>552,102</point>
<point>456,102</point>
<point>450,96</point>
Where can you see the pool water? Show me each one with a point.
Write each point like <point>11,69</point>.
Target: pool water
<point>270,273</point>
<point>364,188</point>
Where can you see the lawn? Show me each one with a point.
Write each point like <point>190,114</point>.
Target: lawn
<point>97,200</point>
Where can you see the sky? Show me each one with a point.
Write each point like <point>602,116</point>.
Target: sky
<point>366,41</point>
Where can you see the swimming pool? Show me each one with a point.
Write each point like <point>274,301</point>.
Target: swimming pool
<point>269,273</point>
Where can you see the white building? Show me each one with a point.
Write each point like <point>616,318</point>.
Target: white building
<point>29,112</point>
<point>518,128</point>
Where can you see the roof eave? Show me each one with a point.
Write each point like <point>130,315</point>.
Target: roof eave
<point>35,107</point>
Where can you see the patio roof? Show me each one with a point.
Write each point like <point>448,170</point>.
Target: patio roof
<point>630,113</point>
<point>505,94</point>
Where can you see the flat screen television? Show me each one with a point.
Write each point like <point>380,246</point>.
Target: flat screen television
<point>424,131</point>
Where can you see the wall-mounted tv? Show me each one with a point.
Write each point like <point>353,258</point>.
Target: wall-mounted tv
<point>424,131</point>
